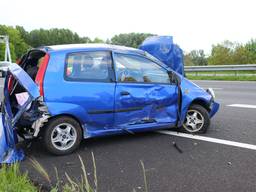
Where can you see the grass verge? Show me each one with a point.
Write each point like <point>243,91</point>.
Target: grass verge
<point>12,180</point>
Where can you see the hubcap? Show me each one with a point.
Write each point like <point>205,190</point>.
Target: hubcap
<point>194,121</point>
<point>63,136</point>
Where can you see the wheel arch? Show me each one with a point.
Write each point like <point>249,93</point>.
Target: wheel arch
<point>71,116</point>
<point>196,101</point>
<point>202,102</point>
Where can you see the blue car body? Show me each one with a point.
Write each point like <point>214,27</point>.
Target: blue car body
<point>102,107</point>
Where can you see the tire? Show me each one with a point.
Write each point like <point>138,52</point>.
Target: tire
<point>197,120</point>
<point>62,135</point>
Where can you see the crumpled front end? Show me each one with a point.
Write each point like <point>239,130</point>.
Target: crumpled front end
<point>214,108</point>
<point>192,93</point>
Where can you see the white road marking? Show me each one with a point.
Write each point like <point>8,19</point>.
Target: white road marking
<point>214,88</point>
<point>210,139</point>
<point>243,106</point>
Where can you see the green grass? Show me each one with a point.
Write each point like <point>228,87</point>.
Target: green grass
<point>12,180</point>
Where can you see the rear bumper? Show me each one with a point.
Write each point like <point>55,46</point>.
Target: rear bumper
<point>214,108</point>
<point>8,151</point>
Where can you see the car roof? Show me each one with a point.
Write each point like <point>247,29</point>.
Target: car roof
<point>99,47</point>
<point>91,47</point>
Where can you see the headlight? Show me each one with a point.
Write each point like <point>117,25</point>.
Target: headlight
<point>211,92</point>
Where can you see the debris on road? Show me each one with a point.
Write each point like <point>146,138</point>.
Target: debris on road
<point>176,147</point>
<point>70,164</point>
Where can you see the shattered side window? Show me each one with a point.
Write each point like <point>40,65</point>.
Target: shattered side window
<point>88,66</point>
<point>132,68</point>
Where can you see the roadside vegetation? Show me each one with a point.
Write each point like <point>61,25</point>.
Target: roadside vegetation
<point>12,180</point>
<point>22,40</point>
<point>223,53</point>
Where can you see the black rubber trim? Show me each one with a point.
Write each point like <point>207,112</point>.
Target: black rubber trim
<point>115,111</point>
<point>163,106</point>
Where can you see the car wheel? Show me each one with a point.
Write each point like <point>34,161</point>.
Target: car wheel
<point>197,120</point>
<point>62,135</point>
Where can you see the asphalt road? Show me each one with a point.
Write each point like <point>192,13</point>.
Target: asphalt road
<point>202,165</point>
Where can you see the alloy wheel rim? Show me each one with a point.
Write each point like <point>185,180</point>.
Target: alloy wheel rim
<point>194,121</point>
<point>63,136</point>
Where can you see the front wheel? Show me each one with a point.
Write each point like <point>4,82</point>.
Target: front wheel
<point>197,120</point>
<point>62,135</point>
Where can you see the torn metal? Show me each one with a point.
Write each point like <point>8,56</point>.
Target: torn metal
<point>13,117</point>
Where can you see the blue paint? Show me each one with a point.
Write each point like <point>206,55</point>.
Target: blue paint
<point>163,48</point>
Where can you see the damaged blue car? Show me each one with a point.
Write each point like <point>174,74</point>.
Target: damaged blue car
<point>65,93</point>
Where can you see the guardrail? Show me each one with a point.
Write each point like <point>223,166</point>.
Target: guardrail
<point>210,68</point>
<point>214,69</point>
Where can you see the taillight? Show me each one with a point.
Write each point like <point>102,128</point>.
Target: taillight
<point>10,82</point>
<point>41,72</point>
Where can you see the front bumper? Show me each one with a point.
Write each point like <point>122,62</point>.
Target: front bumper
<point>214,108</point>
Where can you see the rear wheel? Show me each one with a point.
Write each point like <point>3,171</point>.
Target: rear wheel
<point>197,120</point>
<point>62,135</point>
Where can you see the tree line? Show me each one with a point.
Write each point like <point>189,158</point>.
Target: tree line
<point>223,53</point>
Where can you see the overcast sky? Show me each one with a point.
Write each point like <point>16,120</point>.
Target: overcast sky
<point>194,24</point>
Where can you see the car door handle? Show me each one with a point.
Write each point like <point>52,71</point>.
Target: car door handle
<point>123,93</point>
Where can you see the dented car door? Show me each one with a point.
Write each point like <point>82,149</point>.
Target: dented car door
<point>145,96</point>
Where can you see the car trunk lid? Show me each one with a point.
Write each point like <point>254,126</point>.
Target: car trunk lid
<point>8,120</point>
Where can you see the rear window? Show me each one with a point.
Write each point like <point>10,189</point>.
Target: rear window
<point>88,66</point>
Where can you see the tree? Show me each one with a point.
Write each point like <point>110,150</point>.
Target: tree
<point>251,48</point>
<point>97,40</point>
<point>233,53</point>
<point>221,54</point>
<point>241,55</point>
<point>17,43</point>
<point>188,60</point>
<point>23,33</point>
<point>54,36</point>
<point>198,57</point>
<point>130,39</point>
